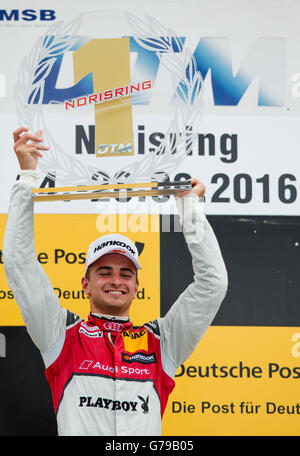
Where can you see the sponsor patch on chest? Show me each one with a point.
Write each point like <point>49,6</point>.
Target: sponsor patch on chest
<point>90,331</point>
<point>139,357</point>
<point>135,340</point>
<point>110,404</point>
<point>115,405</point>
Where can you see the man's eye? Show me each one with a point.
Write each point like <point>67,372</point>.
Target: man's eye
<point>127,274</point>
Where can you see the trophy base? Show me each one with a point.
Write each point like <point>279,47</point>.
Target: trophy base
<point>110,191</point>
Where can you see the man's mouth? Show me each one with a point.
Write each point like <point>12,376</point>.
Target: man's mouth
<point>115,292</point>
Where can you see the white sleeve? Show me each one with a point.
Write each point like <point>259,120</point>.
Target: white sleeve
<point>190,316</point>
<point>45,319</point>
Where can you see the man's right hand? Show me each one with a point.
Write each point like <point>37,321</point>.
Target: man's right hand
<point>27,147</point>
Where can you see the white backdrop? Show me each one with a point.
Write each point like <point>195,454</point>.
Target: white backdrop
<point>246,140</point>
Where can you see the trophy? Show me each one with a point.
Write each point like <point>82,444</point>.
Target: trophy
<point>134,75</point>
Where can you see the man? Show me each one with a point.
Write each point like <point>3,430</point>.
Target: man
<point>106,377</point>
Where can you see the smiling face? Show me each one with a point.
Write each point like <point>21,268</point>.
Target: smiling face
<point>111,285</point>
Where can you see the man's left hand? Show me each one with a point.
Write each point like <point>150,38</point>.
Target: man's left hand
<point>198,188</point>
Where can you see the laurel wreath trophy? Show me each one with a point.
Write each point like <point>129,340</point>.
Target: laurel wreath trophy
<point>84,180</point>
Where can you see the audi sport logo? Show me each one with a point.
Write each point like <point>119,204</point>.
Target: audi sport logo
<point>113,326</point>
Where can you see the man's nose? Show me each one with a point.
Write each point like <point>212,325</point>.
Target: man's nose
<point>116,278</point>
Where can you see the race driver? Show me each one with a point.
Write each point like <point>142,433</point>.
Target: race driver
<point>107,377</point>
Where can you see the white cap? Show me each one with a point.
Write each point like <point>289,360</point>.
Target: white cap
<point>112,243</point>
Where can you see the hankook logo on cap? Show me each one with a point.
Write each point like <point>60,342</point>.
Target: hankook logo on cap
<point>113,243</point>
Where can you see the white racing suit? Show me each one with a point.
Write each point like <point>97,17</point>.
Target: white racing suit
<point>104,385</point>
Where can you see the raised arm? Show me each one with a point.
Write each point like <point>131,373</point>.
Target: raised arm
<point>40,309</point>
<point>191,315</point>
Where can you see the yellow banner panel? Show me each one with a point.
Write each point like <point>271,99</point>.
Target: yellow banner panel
<point>240,381</point>
<point>62,241</point>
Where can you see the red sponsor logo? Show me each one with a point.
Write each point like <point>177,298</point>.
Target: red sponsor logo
<point>113,326</point>
<point>107,95</point>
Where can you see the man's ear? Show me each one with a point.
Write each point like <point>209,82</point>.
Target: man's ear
<point>85,285</point>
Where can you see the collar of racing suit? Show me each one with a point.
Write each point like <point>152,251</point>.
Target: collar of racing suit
<point>109,323</point>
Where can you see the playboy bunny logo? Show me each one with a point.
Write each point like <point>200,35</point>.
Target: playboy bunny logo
<point>144,405</point>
